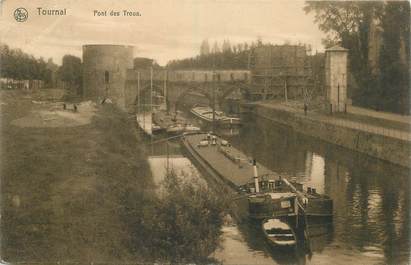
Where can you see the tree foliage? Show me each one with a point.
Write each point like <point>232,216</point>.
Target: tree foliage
<point>18,65</point>
<point>182,225</point>
<point>349,23</point>
<point>71,72</point>
<point>204,48</point>
<point>227,56</point>
<point>394,86</point>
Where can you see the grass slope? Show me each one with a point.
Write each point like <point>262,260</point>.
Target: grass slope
<point>63,189</point>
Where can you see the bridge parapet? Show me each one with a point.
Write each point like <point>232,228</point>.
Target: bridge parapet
<point>176,84</point>
<point>190,75</point>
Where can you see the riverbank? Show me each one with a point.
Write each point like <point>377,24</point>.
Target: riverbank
<point>65,187</point>
<point>387,143</point>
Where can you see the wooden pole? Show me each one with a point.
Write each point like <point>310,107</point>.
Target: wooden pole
<point>151,109</point>
<point>213,98</point>
<point>285,90</point>
<point>165,90</point>
<point>168,157</point>
<point>138,93</point>
<point>151,89</point>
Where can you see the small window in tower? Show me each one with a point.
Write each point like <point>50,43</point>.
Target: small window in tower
<point>232,76</point>
<point>107,77</point>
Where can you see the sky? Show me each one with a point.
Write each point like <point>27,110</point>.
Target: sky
<point>166,29</point>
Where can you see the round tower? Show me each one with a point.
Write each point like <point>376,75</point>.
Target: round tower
<point>104,72</point>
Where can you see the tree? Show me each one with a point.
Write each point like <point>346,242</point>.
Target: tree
<point>233,57</point>
<point>259,41</point>
<point>182,225</point>
<point>394,56</point>
<point>71,71</point>
<point>51,73</point>
<point>204,48</point>
<point>226,46</point>
<point>348,23</point>
<point>216,48</point>
<point>19,65</point>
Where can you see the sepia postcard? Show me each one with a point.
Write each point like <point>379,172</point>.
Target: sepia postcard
<point>233,132</point>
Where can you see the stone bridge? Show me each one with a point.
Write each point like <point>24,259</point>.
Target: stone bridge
<point>175,86</point>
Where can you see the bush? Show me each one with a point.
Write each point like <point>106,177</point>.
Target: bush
<point>182,225</point>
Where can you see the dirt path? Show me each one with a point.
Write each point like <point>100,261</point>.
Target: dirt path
<point>50,114</point>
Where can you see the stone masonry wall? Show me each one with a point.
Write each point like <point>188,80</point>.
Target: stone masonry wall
<point>383,147</point>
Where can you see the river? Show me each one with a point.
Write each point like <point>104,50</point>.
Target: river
<point>371,200</point>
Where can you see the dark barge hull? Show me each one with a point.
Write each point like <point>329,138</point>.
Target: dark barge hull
<point>319,206</point>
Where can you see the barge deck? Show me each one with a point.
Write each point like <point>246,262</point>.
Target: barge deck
<point>226,164</point>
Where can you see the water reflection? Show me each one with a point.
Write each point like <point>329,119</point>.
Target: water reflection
<point>314,172</point>
<point>371,201</point>
<point>371,197</point>
<point>235,249</point>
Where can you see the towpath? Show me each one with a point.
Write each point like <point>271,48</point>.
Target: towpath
<point>386,125</point>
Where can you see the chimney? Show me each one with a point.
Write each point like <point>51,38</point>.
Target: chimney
<point>257,187</point>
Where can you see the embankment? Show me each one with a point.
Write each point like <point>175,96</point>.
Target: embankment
<point>389,148</point>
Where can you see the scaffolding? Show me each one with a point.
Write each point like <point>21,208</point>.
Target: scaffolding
<point>281,72</point>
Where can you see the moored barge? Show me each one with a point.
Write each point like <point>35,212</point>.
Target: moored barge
<point>173,123</point>
<point>205,113</point>
<point>269,195</point>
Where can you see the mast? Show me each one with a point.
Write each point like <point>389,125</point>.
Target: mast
<point>144,115</point>
<point>285,90</point>
<point>151,89</point>
<point>165,89</point>
<point>151,108</point>
<point>213,92</point>
<point>213,103</point>
<point>138,93</point>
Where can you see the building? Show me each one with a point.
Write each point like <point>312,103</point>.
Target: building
<point>279,71</point>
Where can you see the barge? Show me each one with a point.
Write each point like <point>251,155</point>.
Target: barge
<point>269,195</point>
<point>205,113</point>
<point>173,123</point>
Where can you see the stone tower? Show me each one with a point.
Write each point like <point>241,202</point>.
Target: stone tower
<point>336,79</point>
<point>105,71</point>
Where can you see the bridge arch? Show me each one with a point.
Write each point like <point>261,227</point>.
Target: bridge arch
<point>145,88</point>
<point>224,89</point>
<point>201,89</point>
